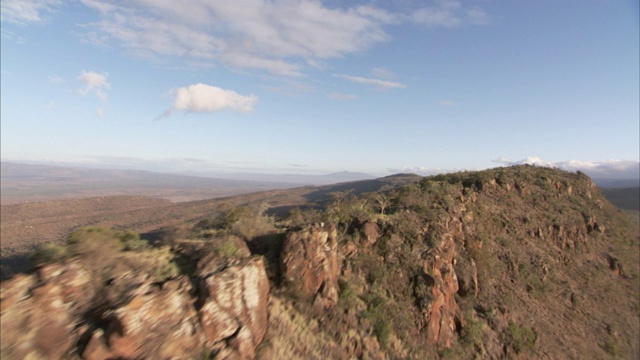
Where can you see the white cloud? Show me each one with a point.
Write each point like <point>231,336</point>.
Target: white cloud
<point>93,81</point>
<point>449,14</point>
<point>381,84</point>
<point>96,83</point>
<point>382,73</point>
<point>10,35</point>
<point>283,37</point>
<point>26,11</point>
<point>606,169</point>
<point>204,98</point>
<point>477,16</point>
<point>277,36</point>
<point>340,96</point>
<point>56,79</point>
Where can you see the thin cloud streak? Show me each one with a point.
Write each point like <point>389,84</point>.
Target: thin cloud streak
<point>284,38</point>
<point>23,12</point>
<point>340,96</point>
<point>377,83</point>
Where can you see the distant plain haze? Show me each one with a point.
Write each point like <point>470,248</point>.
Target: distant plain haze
<point>316,87</point>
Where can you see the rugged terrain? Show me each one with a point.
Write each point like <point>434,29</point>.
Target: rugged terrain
<point>519,262</point>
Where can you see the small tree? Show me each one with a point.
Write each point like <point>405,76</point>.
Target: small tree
<point>383,202</point>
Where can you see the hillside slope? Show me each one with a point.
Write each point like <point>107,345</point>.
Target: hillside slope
<point>519,262</point>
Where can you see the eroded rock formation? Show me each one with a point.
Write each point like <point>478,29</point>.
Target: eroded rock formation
<point>310,265</point>
<point>57,312</point>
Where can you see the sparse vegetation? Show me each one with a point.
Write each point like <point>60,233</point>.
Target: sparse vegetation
<point>91,242</point>
<point>520,337</point>
<point>524,239</point>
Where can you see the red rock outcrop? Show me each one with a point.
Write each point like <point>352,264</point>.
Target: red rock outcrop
<point>310,264</point>
<point>58,312</point>
<point>233,313</point>
<point>38,316</point>
<point>441,312</point>
<point>158,323</point>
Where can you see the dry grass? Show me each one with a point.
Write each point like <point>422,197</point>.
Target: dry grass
<point>293,335</point>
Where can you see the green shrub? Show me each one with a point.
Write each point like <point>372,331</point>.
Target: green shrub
<point>383,331</point>
<point>170,270</point>
<point>227,249</point>
<point>131,241</point>
<point>48,253</point>
<point>472,331</point>
<point>99,242</point>
<point>521,337</point>
<point>347,295</point>
<point>92,239</point>
<point>612,348</point>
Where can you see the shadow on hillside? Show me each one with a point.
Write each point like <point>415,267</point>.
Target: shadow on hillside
<point>155,237</point>
<point>357,188</point>
<point>15,264</point>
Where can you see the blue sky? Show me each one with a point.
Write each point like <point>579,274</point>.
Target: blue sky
<point>301,86</point>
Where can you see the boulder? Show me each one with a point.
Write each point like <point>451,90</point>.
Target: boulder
<point>233,307</point>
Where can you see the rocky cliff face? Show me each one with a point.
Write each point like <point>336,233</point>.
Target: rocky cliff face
<point>52,314</point>
<point>310,264</point>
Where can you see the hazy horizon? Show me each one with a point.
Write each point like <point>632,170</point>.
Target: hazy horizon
<point>607,170</point>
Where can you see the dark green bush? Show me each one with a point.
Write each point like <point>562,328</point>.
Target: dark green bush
<point>521,337</point>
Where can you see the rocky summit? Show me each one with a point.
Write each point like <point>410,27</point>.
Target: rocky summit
<point>520,262</point>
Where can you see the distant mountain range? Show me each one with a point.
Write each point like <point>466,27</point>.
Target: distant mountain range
<point>27,182</point>
<point>33,182</point>
<point>298,179</point>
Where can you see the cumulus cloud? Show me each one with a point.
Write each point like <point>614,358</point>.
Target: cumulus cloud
<point>97,84</point>
<point>282,37</point>
<point>377,83</point>
<point>26,11</point>
<point>627,169</point>
<point>94,82</point>
<point>204,98</point>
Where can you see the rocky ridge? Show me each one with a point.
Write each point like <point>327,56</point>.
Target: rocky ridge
<point>60,311</point>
